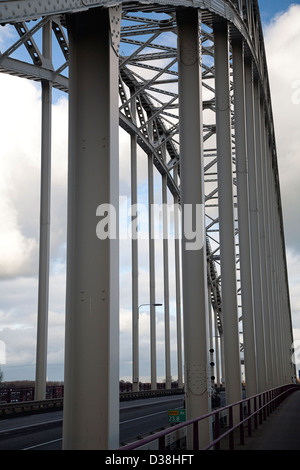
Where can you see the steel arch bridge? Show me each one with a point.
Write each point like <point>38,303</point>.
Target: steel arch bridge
<point>188,81</point>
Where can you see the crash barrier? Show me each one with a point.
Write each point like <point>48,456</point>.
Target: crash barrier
<point>252,411</point>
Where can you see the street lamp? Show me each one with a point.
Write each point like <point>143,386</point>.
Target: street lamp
<point>135,346</point>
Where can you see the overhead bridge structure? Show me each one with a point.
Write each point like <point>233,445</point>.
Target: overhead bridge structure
<point>188,81</point>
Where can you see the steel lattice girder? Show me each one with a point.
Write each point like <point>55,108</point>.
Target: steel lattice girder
<point>156,103</point>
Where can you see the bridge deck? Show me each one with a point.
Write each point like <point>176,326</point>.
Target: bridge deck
<point>281,431</point>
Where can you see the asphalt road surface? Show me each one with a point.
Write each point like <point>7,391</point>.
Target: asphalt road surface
<point>44,431</point>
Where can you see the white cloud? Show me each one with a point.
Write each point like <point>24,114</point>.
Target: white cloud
<point>19,167</point>
<point>16,251</point>
<point>282,42</point>
<point>19,230</point>
<point>19,204</point>
<point>293,262</point>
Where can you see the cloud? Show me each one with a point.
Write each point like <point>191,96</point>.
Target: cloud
<point>18,177</point>
<point>293,262</point>
<point>20,124</point>
<point>19,206</point>
<point>17,252</point>
<point>20,129</point>
<point>282,42</point>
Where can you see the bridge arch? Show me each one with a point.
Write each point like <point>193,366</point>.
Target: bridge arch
<point>149,111</point>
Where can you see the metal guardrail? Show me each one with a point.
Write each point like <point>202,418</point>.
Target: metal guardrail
<point>150,393</point>
<point>252,410</point>
<point>22,400</point>
<point>8,409</point>
<point>12,394</point>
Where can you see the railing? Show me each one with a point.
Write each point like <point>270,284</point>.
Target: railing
<point>22,394</point>
<point>146,386</point>
<point>252,410</point>
<point>17,408</point>
<point>14,400</point>
<point>124,396</point>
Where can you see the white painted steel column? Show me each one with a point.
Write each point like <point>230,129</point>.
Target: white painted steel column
<point>270,358</point>
<point>178,289</point>
<point>277,286</point>
<point>279,316</point>
<point>212,361</point>
<point>134,257</point>
<point>194,263</point>
<point>260,203</point>
<point>226,216</point>
<point>91,399</point>
<point>152,275</point>
<point>284,309</point>
<point>275,329</point>
<point>222,359</point>
<point>44,255</point>
<point>253,141</point>
<point>217,350</point>
<point>280,309</point>
<point>243,216</point>
<point>166,283</point>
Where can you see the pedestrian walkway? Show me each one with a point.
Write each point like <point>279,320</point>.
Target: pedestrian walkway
<point>281,430</point>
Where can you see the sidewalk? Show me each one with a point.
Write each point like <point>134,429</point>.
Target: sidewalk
<point>281,430</point>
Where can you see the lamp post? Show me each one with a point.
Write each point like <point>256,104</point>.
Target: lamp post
<point>135,347</point>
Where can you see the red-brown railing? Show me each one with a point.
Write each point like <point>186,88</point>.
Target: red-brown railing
<point>13,394</point>
<point>21,394</point>
<point>253,411</point>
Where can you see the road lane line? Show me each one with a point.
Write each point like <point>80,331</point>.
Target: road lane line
<point>143,417</point>
<point>42,444</point>
<point>29,426</point>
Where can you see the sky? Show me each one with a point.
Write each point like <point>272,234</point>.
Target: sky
<point>19,208</point>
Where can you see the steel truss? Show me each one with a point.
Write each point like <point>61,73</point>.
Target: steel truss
<point>146,40</point>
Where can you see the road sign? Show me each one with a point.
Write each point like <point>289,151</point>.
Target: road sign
<point>176,416</point>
